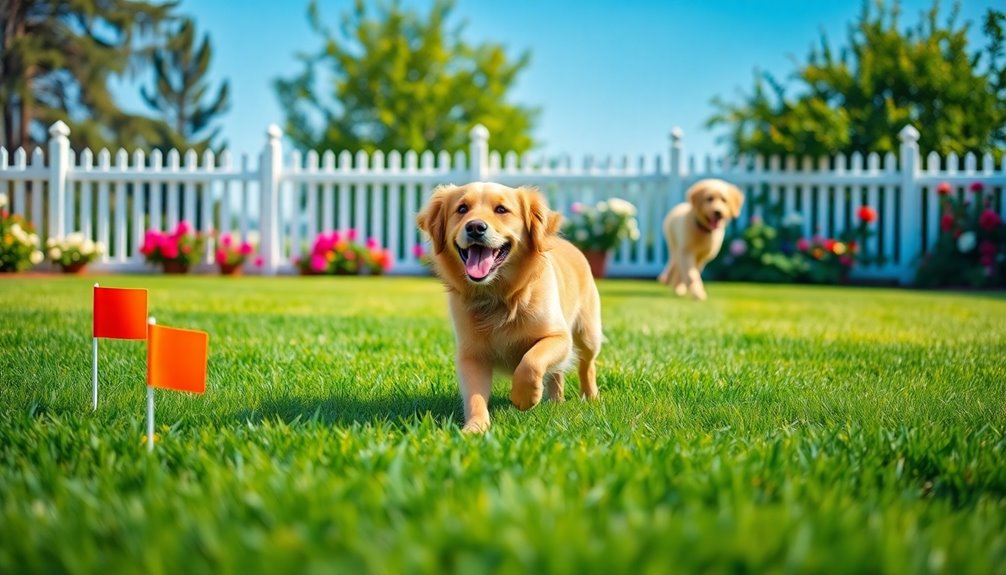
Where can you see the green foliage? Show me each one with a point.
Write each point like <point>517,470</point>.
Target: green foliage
<point>971,247</point>
<point>181,90</point>
<point>55,63</point>
<point>859,97</point>
<point>18,241</point>
<point>773,249</point>
<point>770,429</point>
<point>393,79</point>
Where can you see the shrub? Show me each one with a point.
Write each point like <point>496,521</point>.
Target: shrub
<point>18,241</point>
<point>971,246</point>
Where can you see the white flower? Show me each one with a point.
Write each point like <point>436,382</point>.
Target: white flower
<point>966,242</point>
<point>74,239</point>
<point>55,254</point>
<point>87,247</point>
<point>50,243</point>
<point>33,240</point>
<point>792,219</point>
<point>621,207</point>
<point>601,207</point>
<point>738,247</point>
<point>36,257</point>
<point>3,200</point>
<point>99,248</point>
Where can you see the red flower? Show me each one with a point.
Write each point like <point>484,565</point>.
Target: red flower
<point>987,248</point>
<point>846,261</point>
<point>829,245</point>
<point>944,188</point>
<point>853,246</point>
<point>989,220</point>
<point>947,222</point>
<point>977,187</point>
<point>801,244</point>
<point>867,214</point>
<point>221,257</point>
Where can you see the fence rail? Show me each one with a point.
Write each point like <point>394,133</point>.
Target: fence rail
<point>283,202</point>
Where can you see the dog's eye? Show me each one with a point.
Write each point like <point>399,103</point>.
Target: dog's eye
<point>501,210</point>
<point>462,209</point>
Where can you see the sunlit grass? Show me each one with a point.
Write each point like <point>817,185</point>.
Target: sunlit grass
<point>772,428</point>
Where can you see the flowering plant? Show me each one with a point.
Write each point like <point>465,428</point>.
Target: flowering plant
<point>339,253</point>
<point>971,247</point>
<point>231,254</point>
<point>182,247</point>
<point>74,251</point>
<point>18,241</point>
<point>778,251</point>
<point>601,226</point>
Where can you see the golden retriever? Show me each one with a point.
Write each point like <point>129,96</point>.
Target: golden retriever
<point>521,298</point>
<point>694,232</point>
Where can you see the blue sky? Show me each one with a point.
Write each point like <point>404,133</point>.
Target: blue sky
<point>611,77</point>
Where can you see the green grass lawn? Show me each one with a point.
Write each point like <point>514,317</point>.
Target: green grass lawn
<point>771,429</point>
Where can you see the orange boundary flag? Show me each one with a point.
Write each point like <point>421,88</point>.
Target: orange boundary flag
<point>176,358</point>
<point>120,313</point>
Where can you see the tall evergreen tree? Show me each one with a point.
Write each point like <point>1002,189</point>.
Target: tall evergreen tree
<point>394,79</point>
<point>859,97</point>
<point>56,58</point>
<point>181,88</point>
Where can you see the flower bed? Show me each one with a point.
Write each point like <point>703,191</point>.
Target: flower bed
<point>19,244</point>
<point>339,253</point>
<point>176,251</point>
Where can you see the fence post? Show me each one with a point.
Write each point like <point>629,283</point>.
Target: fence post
<point>479,153</point>
<point>911,205</point>
<point>676,187</point>
<point>59,160</point>
<point>270,167</point>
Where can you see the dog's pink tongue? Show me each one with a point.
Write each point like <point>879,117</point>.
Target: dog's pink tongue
<point>480,261</point>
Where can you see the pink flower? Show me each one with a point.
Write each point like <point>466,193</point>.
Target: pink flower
<point>802,244</point>
<point>183,228</point>
<point>943,188</point>
<point>977,187</point>
<point>738,247</point>
<point>246,249</point>
<point>756,220</point>
<point>576,208</point>
<point>846,261</point>
<point>335,237</point>
<point>987,260</point>
<point>226,240</point>
<point>318,263</point>
<point>221,257</point>
<point>987,248</point>
<point>418,251</point>
<point>169,250</point>
<point>989,220</point>
<point>351,234</point>
<point>372,243</point>
<point>260,261</point>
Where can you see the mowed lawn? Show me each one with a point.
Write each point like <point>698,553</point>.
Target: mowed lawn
<point>771,429</point>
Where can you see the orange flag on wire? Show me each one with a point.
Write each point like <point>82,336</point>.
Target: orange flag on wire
<point>176,358</point>
<point>120,313</point>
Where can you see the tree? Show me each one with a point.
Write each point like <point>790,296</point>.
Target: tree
<point>57,56</point>
<point>180,88</point>
<point>397,80</point>
<point>859,98</point>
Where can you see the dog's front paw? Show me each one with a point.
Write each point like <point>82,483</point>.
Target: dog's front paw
<point>680,289</point>
<point>525,396</point>
<point>476,425</point>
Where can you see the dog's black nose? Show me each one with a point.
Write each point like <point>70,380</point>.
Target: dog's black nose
<point>718,214</point>
<point>476,228</point>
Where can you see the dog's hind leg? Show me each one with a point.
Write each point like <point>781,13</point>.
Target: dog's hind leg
<point>555,385</point>
<point>588,345</point>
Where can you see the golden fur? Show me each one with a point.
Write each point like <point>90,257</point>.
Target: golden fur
<point>531,314</point>
<point>694,232</point>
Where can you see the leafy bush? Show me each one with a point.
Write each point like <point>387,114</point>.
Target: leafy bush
<point>18,241</point>
<point>971,247</point>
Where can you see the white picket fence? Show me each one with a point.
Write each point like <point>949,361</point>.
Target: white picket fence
<point>283,202</point>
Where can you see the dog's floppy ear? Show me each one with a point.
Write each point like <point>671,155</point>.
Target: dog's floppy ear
<point>735,199</point>
<point>695,193</point>
<point>541,222</point>
<point>433,218</point>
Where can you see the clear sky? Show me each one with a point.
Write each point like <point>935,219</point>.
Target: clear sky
<point>611,77</point>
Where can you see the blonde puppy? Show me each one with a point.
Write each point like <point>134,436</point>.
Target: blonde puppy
<point>521,298</point>
<point>694,232</point>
